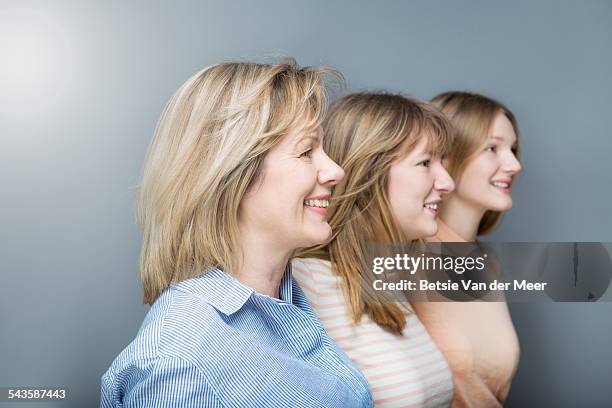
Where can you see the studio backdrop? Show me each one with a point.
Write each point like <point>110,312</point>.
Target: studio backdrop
<point>82,84</point>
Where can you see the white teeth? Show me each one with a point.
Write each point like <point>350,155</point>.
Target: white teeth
<point>432,206</point>
<point>500,184</point>
<point>317,203</point>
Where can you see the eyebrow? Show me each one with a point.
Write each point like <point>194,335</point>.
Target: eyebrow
<point>301,140</point>
<point>430,153</point>
<point>502,139</point>
<point>314,135</point>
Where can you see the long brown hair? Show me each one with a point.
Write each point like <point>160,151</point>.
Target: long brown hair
<point>365,133</point>
<point>472,116</point>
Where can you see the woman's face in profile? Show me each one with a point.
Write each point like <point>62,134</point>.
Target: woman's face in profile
<point>487,179</point>
<point>289,200</point>
<point>416,185</point>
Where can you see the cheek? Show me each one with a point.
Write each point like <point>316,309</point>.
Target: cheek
<point>487,167</point>
<point>289,180</point>
<point>302,183</point>
<point>423,186</point>
<point>407,191</point>
<point>477,174</point>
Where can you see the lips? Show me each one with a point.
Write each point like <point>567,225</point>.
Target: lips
<point>321,203</point>
<point>502,184</point>
<point>318,203</point>
<point>432,207</point>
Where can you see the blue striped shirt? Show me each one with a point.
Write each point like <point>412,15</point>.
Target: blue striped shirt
<point>211,341</point>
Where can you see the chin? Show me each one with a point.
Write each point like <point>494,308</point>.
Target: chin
<point>319,235</point>
<point>501,206</point>
<point>426,229</point>
<point>430,230</point>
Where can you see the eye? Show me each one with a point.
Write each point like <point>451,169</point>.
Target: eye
<point>307,154</point>
<point>424,163</point>
<point>491,148</point>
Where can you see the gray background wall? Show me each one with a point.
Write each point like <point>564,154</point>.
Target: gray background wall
<point>70,293</point>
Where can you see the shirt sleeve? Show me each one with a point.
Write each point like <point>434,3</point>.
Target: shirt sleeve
<point>163,382</point>
<point>305,278</point>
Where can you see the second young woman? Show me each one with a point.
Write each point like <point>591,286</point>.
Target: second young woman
<point>390,148</point>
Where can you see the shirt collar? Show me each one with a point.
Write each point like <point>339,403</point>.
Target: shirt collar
<point>225,293</point>
<point>286,286</point>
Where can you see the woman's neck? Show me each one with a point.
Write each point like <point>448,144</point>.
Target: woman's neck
<point>462,217</point>
<point>263,264</point>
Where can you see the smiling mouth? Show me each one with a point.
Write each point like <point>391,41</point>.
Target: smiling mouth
<point>501,185</point>
<point>432,208</point>
<point>317,203</point>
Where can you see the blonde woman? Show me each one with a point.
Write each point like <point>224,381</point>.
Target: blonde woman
<point>477,338</point>
<point>390,148</point>
<point>227,196</point>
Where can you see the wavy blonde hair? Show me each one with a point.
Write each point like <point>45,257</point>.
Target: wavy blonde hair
<point>472,116</point>
<point>365,133</point>
<point>207,150</point>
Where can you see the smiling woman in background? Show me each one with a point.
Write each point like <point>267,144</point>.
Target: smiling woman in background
<point>390,148</point>
<point>225,200</point>
<point>477,338</point>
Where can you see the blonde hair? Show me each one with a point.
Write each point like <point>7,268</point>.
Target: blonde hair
<point>472,116</point>
<point>207,150</point>
<point>365,133</point>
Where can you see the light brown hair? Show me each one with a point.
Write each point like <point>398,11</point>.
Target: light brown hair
<point>208,148</point>
<point>472,116</point>
<point>365,133</point>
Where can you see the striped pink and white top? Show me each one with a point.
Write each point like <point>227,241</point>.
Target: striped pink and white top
<point>403,370</point>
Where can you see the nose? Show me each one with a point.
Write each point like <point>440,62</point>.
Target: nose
<point>511,164</point>
<point>329,172</point>
<point>443,182</point>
